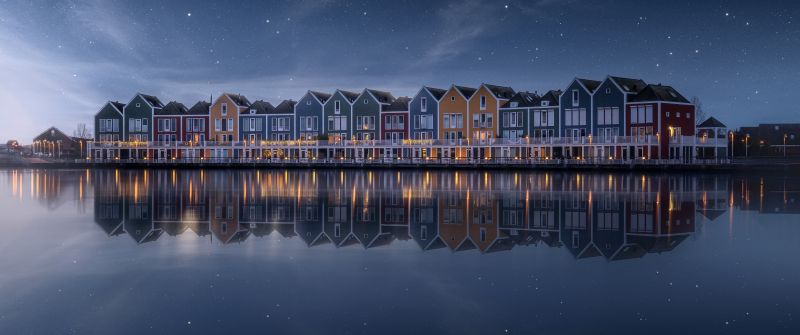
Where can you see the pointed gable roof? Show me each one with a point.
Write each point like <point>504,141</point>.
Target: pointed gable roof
<point>628,85</point>
<point>261,107</point>
<point>285,107</point>
<point>522,99</point>
<point>351,96</point>
<point>659,93</point>
<point>53,134</point>
<point>711,122</point>
<point>321,97</point>
<point>117,105</point>
<point>552,97</point>
<point>200,108</point>
<point>238,99</point>
<point>172,108</point>
<point>152,100</point>
<point>589,84</point>
<point>500,92</point>
<point>398,105</point>
<point>467,92</point>
<point>382,97</point>
<point>437,93</point>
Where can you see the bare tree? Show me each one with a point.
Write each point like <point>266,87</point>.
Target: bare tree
<point>82,131</point>
<point>700,114</point>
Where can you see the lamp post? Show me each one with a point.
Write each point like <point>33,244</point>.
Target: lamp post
<point>746,139</point>
<point>731,144</point>
<point>784,145</point>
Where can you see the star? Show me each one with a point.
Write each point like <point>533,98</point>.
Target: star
<point>189,14</point>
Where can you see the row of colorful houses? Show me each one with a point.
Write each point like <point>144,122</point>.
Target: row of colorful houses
<point>613,110</point>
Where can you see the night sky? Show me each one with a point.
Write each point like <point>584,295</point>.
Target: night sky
<point>60,61</point>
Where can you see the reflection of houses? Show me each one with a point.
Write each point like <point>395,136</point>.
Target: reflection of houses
<point>615,216</point>
<point>139,222</point>
<point>223,201</point>
<point>108,202</point>
<point>767,195</point>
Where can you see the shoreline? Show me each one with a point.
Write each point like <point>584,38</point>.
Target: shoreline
<point>784,167</point>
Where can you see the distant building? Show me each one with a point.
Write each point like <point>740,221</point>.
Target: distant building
<point>55,143</point>
<point>768,139</point>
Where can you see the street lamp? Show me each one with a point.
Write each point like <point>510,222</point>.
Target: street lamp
<point>746,139</point>
<point>784,145</point>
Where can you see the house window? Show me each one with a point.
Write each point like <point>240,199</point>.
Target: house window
<point>514,104</point>
<point>336,107</point>
<point>453,98</point>
<point>575,98</point>
<point>545,103</point>
<point>224,109</point>
<point>230,125</point>
<point>483,102</point>
<point>138,105</point>
<point>252,111</point>
<point>308,102</point>
<point>423,103</point>
<point>366,101</point>
<point>608,90</point>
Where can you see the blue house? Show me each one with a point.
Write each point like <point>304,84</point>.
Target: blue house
<point>308,115</point>
<point>575,106</point>
<point>367,112</point>
<point>544,123</point>
<point>138,121</point>
<point>424,113</point>
<point>609,101</point>
<point>252,122</point>
<point>280,121</point>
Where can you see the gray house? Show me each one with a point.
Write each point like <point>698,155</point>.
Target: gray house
<point>138,115</point>
<point>367,111</point>
<point>338,111</point>
<point>108,122</point>
<point>308,115</point>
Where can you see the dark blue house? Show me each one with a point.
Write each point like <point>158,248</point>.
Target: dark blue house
<point>575,109</point>
<point>308,115</point>
<point>280,121</point>
<point>252,122</point>
<point>608,118</point>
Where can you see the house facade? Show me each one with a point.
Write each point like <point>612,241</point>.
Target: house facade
<point>366,113</point>
<point>252,122</point>
<point>108,122</point>
<point>224,117</point>
<point>453,121</point>
<point>660,113</point>
<point>424,118</point>
<point>575,105</point>
<point>484,106</point>
<point>281,121</point>
<point>309,115</point>
<point>196,129</point>
<point>609,102</point>
<point>168,129</point>
<point>139,117</point>
<point>394,124</point>
<point>338,114</point>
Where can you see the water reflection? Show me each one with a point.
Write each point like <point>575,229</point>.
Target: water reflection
<point>615,216</point>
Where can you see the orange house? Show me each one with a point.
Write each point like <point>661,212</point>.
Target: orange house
<point>453,120</point>
<point>224,123</point>
<point>484,117</point>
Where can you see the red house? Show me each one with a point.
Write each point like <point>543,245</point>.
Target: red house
<point>394,126</point>
<point>662,121</point>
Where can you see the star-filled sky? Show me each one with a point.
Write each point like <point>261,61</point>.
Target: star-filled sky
<point>61,60</point>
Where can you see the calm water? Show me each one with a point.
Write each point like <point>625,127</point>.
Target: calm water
<point>397,252</point>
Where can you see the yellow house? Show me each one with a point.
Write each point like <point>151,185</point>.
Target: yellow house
<point>224,123</point>
<point>453,121</point>
<point>484,105</point>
